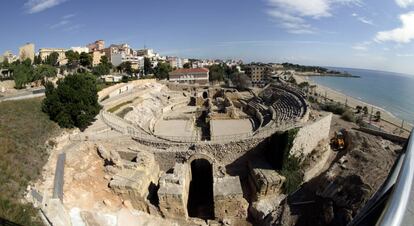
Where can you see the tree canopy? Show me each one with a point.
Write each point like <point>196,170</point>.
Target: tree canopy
<point>217,72</point>
<point>187,65</point>
<point>148,66</point>
<point>73,58</point>
<point>85,59</point>
<point>241,81</point>
<point>52,59</point>
<point>44,71</point>
<point>103,68</point>
<point>125,67</point>
<point>74,103</point>
<point>22,74</point>
<point>162,70</point>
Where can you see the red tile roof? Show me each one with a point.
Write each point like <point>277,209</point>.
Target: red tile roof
<point>190,70</point>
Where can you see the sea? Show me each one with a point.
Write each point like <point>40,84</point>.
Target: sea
<point>393,92</point>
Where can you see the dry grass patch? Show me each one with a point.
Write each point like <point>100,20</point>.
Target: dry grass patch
<point>24,129</point>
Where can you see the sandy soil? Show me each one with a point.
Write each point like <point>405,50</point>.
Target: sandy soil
<point>353,102</point>
<point>352,177</point>
<point>86,183</point>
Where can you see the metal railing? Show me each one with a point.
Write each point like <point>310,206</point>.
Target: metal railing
<point>396,212</point>
<point>123,126</point>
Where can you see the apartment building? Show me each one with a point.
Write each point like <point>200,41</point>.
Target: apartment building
<point>96,46</point>
<point>137,62</point>
<point>96,57</point>
<point>258,73</point>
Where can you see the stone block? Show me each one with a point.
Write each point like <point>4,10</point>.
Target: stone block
<point>228,198</point>
<point>264,180</point>
<point>173,192</point>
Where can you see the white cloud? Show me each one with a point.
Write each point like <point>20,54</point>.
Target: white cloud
<point>293,14</point>
<point>405,55</point>
<point>65,17</point>
<point>404,3</point>
<point>60,24</point>
<point>403,34</point>
<point>35,6</point>
<point>363,19</point>
<point>75,27</point>
<point>363,46</point>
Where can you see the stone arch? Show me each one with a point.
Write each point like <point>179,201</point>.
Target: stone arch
<point>200,156</point>
<point>205,94</point>
<point>200,201</point>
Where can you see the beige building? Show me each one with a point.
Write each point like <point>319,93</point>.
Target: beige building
<point>45,52</point>
<point>27,51</point>
<point>96,46</point>
<point>80,49</point>
<point>191,75</point>
<point>9,56</point>
<point>96,57</point>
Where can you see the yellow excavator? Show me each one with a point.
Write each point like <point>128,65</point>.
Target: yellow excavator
<point>340,140</point>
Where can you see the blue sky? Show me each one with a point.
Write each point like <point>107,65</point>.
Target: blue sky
<point>373,34</point>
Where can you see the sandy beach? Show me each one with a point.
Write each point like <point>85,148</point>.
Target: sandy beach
<point>353,102</point>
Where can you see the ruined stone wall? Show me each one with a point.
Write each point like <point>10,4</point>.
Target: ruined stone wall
<point>232,157</point>
<point>309,136</point>
<point>115,88</point>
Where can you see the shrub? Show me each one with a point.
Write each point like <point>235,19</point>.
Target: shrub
<point>335,108</point>
<point>289,166</point>
<point>348,116</point>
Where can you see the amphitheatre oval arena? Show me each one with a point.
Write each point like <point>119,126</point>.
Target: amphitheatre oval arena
<point>186,154</point>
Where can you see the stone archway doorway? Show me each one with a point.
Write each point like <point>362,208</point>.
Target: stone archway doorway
<point>200,196</point>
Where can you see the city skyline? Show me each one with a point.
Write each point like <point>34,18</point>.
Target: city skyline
<point>344,33</point>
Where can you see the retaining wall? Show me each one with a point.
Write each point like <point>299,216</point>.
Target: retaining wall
<point>309,136</point>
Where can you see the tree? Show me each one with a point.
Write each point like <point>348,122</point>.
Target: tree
<point>52,59</point>
<point>74,103</point>
<point>37,60</point>
<point>162,70</point>
<point>241,81</point>
<point>216,73</point>
<point>100,70</point>
<point>148,66</point>
<point>5,64</point>
<point>187,65</point>
<point>73,58</point>
<point>103,68</point>
<point>85,59</point>
<point>358,108</point>
<point>229,71</point>
<point>365,110</point>
<point>43,71</point>
<point>304,85</point>
<point>105,62</point>
<point>125,67</point>
<point>22,73</point>
<point>378,116</point>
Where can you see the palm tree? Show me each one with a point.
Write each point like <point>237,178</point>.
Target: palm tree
<point>377,116</point>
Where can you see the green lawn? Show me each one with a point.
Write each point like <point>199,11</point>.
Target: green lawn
<point>24,129</point>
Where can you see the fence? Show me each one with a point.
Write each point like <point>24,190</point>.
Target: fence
<point>403,127</point>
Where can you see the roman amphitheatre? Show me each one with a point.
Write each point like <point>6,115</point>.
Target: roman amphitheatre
<point>164,153</point>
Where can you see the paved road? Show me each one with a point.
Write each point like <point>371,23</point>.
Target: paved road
<point>25,94</point>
